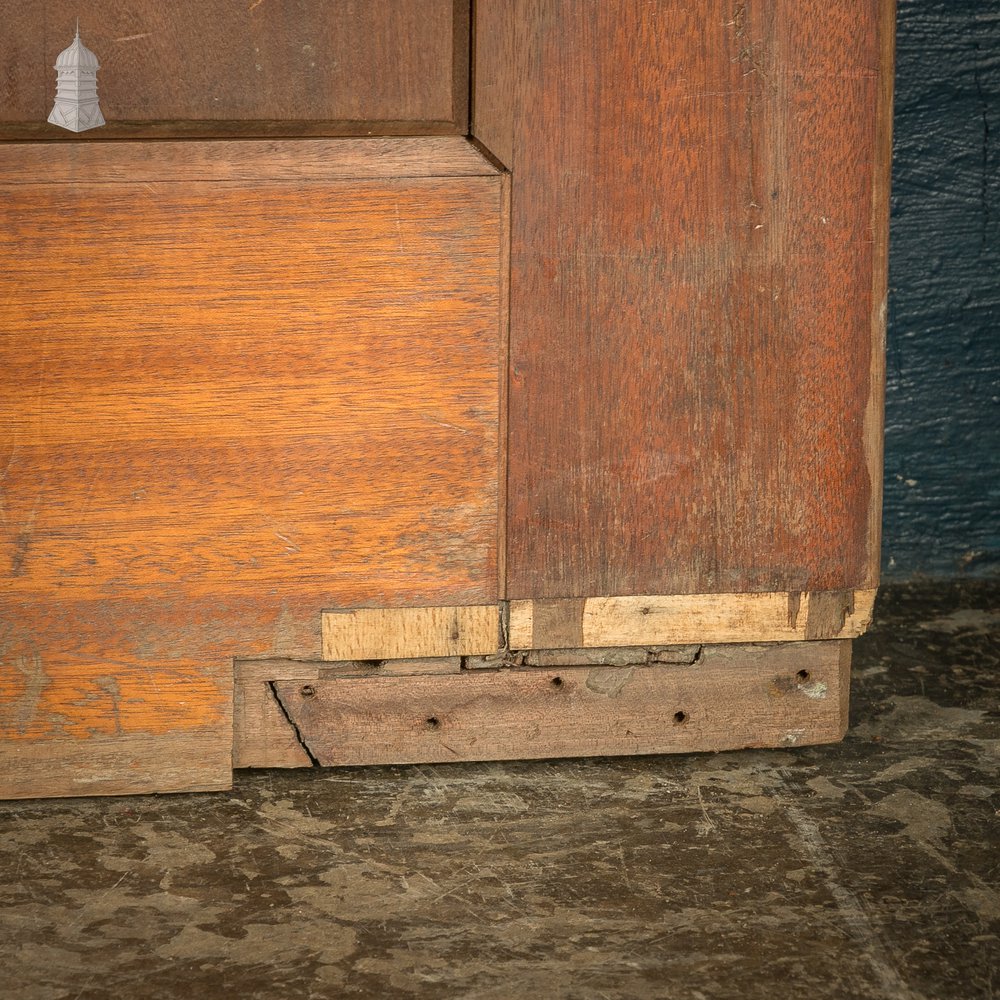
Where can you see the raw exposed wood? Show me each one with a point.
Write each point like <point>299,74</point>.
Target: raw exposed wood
<point>708,618</point>
<point>609,656</point>
<point>249,162</point>
<point>262,734</point>
<point>401,633</point>
<point>342,64</point>
<point>695,332</point>
<point>224,407</point>
<point>752,696</point>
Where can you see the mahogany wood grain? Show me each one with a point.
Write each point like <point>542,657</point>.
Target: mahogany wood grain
<point>340,66</point>
<point>226,406</point>
<point>791,694</point>
<point>697,290</point>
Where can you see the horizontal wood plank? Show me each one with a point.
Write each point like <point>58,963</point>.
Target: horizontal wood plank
<point>406,633</point>
<point>253,161</point>
<point>263,735</point>
<point>749,696</point>
<point>687,618</point>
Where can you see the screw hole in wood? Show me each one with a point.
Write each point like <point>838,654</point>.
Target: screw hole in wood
<point>680,718</point>
<point>307,691</point>
<point>803,676</point>
<point>557,682</point>
<point>432,723</point>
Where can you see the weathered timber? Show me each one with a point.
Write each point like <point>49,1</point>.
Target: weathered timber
<point>786,694</point>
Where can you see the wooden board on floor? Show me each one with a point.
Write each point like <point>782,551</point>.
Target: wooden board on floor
<point>227,406</point>
<point>698,235</point>
<point>236,66</point>
<point>779,695</point>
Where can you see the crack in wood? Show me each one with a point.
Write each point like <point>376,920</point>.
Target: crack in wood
<point>272,685</point>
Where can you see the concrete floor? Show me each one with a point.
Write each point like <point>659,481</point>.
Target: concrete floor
<point>865,870</point>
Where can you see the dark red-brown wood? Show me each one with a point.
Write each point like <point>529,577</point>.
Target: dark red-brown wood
<point>244,66</point>
<point>697,289</point>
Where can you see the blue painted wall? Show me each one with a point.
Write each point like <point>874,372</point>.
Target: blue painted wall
<point>942,466</point>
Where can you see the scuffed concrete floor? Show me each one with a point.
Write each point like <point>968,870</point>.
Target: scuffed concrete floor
<point>864,870</point>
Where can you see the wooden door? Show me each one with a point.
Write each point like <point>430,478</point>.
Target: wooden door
<point>260,405</point>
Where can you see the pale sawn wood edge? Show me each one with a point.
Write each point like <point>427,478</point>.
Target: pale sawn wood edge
<point>577,623</point>
<point>661,620</point>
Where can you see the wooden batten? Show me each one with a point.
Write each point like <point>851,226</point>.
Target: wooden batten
<point>777,695</point>
<point>400,633</point>
<point>687,618</point>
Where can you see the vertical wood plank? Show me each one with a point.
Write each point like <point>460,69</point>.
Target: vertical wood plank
<point>697,217</point>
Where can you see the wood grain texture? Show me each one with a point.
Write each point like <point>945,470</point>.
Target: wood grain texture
<point>406,633</point>
<point>264,736</point>
<point>688,618</point>
<point>744,696</point>
<point>698,213</point>
<point>340,66</point>
<point>224,407</point>
<point>247,161</point>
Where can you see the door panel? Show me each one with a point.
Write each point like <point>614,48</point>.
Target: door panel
<point>227,405</point>
<point>332,67</point>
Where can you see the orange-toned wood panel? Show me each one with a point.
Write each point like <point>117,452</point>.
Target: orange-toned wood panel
<point>193,68</point>
<point>224,408</point>
<point>697,289</point>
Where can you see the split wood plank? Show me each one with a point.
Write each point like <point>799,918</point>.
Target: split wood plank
<point>186,67</point>
<point>201,452</point>
<point>776,695</point>
<point>406,633</point>
<point>687,618</point>
<point>263,736</point>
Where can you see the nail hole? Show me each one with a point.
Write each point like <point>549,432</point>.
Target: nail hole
<point>308,691</point>
<point>432,723</point>
<point>680,718</point>
<point>557,682</point>
<point>803,675</point>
